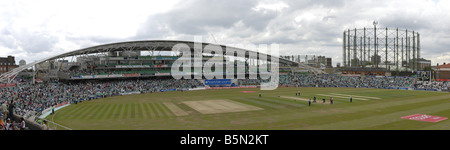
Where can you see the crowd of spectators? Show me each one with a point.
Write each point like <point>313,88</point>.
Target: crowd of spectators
<point>438,85</point>
<point>331,80</point>
<point>30,99</point>
<point>365,82</point>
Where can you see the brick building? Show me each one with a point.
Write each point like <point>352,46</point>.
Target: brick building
<point>422,63</point>
<point>443,71</point>
<point>7,64</point>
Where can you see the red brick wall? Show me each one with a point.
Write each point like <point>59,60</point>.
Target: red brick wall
<point>443,75</point>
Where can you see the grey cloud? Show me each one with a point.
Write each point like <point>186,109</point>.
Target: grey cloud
<point>328,18</point>
<point>36,43</point>
<point>199,17</point>
<point>152,28</point>
<point>85,42</point>
<point>31,42</point>
<point>300,4</point>
<point>405,21</point>
<point>191,18</point>
<point>7,41</point>
<point>195,16</point>
<point>238,22</point>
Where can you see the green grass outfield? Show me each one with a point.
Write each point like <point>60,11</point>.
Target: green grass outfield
<point>148,111</point>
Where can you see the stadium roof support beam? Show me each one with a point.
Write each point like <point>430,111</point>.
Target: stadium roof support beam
<point>160,45</point>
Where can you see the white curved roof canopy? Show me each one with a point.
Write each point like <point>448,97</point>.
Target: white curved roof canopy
<point>149,45</point>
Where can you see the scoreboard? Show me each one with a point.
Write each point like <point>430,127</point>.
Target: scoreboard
<point>424,75</point>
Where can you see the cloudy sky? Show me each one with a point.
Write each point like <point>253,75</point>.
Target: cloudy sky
<point>35,29</point>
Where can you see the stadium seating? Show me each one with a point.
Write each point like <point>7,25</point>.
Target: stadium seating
<point>37,97</point>
<point>28,97</point>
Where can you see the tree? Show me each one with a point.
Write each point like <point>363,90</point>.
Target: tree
<point>427,68</point>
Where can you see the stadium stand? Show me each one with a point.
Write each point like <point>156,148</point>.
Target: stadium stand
<point>432,85</point>
<point>29,100</point>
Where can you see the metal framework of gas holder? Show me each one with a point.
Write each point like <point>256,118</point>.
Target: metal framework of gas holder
<point>393,49</point>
